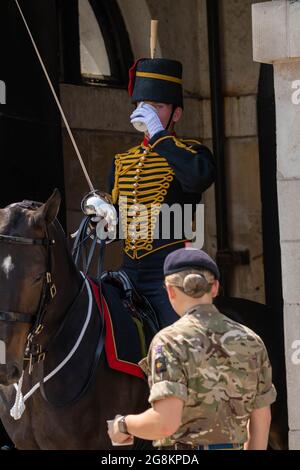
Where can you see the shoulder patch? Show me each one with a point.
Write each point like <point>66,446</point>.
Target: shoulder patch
<point>160,364</point>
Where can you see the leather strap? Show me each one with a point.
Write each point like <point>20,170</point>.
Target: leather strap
<point>16,317</point>
<point>85,387</point>
<point>26,241</point>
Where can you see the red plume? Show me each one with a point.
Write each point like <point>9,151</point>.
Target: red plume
<point>132,72</point>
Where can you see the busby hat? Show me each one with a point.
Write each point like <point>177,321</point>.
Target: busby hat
<point>187,258</point>
<point>158,80</point>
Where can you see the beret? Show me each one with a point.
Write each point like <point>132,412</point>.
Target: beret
<point>187,258</point>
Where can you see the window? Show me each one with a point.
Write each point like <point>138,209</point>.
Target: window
<point>94,61</point>
<point>94,43</point>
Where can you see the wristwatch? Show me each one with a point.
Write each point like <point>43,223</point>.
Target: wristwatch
<point>123,426</point>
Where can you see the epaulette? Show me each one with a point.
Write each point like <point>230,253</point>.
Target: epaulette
<point>186,144</point>
<point>191,141</point>
<point>132,151</point>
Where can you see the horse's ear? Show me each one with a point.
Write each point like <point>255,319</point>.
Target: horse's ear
<point>48,211</point>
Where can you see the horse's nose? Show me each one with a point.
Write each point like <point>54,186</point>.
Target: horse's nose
<point>9,374</point>
<point>3,375</point>
<point>13,373</point>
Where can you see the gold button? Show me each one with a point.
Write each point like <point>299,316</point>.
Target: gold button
<point>135,185</point>
<point>136,177</point>
<point>134,201</point>
<point>137,170</point>
<point>134,193</point>
<point>141,164</point>
<point>143,159</point>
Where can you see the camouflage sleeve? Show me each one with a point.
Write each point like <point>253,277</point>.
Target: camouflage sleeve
<point>167,377</point>
<point>144,366</point>
<point>266,392</point>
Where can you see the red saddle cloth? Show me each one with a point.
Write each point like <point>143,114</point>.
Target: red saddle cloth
<point>116,357</point>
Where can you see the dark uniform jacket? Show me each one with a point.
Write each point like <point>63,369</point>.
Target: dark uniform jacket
<point>166,170</point>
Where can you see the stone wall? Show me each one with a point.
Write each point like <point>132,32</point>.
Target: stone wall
<point>240,82</point>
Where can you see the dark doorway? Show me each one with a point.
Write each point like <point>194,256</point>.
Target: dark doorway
<point>30,127</point>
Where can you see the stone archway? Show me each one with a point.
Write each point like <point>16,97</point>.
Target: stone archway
<point>137,17</point>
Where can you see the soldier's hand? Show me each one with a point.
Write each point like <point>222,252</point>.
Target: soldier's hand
<point>147,114</point>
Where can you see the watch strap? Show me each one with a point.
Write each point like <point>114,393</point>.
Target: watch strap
<point>123,426</point>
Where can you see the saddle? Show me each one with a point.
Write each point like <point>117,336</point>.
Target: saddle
<point>129,321</point>
<point>138,306</point>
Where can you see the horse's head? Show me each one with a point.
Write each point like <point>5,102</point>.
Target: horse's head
<point>24,263</point>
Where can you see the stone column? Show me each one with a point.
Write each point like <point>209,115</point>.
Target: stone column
<point>276,40</point>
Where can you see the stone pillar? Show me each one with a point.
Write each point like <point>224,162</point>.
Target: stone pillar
<point>276,40</point>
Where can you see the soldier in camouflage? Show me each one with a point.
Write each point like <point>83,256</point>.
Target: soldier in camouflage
<point>210,377</point>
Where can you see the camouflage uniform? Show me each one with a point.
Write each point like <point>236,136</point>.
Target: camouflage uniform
<point>219,368</point>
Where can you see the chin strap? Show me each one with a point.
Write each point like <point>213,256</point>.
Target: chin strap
<point>171,117</point>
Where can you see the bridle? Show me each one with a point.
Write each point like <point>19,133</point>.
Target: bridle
<point>35,353</point>
<point>48,292</point>
<point>48,288</point>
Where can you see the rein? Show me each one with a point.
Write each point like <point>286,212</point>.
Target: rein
<point>19,405</point>
<point>34,351</point>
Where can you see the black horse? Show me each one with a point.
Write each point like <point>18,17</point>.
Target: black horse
<point>40,285</point>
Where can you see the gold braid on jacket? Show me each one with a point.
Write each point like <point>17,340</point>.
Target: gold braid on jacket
<point>142,180</point>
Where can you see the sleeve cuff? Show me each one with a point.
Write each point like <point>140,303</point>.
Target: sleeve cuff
<point>166,389</point>
<point>266,399</point>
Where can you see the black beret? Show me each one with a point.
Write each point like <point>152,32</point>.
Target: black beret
<point>187,258</point>
<point>158,80</point>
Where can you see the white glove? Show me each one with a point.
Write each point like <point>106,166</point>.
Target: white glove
<point>106,220</point>
<point>146,114</point>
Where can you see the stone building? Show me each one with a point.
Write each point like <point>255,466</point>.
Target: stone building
<point>88,46</point>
